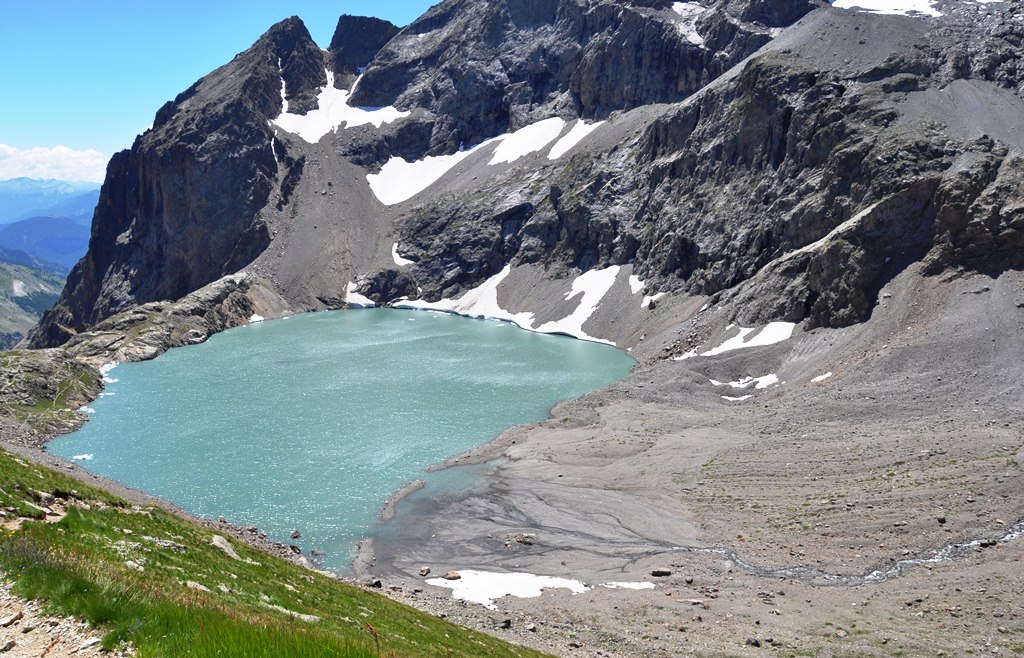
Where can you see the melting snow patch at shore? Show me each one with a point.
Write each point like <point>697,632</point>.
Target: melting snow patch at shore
<point>87,410</point>
<point>482,302</point>
<point>821,378</point>
<point>900,7</point>
<point>255,317</point>
<point>399,261</point>
<point>83,458</point>
<point>484,587</point>
<point>105,371</point>
<point>332,111</point>
<point>352,298</point>
<point>593,286</point>
<point>579,130</point>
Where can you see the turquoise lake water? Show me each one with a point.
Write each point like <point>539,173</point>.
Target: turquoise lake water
<point>312,422</point>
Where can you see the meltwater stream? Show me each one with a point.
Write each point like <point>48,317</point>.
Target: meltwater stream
<point>312,422</point>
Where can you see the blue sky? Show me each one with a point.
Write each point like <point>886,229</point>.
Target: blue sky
<point>81,79</point>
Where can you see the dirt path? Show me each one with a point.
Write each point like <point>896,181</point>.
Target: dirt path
<point>25,631</point>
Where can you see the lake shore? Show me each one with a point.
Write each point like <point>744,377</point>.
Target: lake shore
<point>766,520</point>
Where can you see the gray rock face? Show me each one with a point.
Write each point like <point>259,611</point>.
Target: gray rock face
<point>355,42</point>
<point>750,187</point>
<point>478,69</point>
<point>181,208</point>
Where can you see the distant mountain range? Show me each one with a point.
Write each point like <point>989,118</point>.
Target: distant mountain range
<point>44,231</point>
<point>21,198</point>
<point>46,221</point>
<point>59,241</point>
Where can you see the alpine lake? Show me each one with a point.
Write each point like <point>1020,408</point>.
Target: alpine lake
<point>312,422</point>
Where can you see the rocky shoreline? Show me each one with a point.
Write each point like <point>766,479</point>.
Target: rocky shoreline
<point>799,522</point>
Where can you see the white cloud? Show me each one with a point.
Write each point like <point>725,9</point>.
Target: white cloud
<point>59,163</point>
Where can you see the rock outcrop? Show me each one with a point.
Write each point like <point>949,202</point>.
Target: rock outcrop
<point>181,208</point>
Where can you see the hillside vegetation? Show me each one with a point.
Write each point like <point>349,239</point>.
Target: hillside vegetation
<point>149,578</point>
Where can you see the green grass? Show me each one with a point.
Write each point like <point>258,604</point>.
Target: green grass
<point>78,566</point>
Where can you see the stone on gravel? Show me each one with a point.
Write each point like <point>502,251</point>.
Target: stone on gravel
<point>452,575</point>
<point>10,619</point>
<point>424,571</point>
<point>661,573</point>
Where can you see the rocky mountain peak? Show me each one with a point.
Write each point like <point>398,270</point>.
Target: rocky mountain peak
<point>355,42</point>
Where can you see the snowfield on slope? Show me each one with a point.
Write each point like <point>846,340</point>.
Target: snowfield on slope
<point>332,112</point>
<point>400,180</point>
<point>899,7</point>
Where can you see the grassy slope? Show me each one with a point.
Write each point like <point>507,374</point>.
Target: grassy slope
<point>78,565</point>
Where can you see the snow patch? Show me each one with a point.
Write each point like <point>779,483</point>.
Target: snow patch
<point>689,11</point>
<point>821,378</point>
<point>18,288</point>
<point>650,299</point>
<point>636,284</point>
<point>332,112</point>
<point>83,458</point>
<point>401,262</point>
<point>527,140</point>
<point>87,410</point>
<point>739,399</point>
<point>773,332</point>
<point>579,130</point>
<point>255,317</point>
<point>284,96</point>
<point>482,302</point>
<point>758,382</point>
<point>352,298</point>
<point>900,7</point>
<point>593,286</point>
<point>484,587</point>
<point>640,585</point>
<point>400,180</point>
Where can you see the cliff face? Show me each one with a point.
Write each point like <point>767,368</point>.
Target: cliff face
<point>480,69</point>
<point>784,157</point>
<point>181,207</point>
